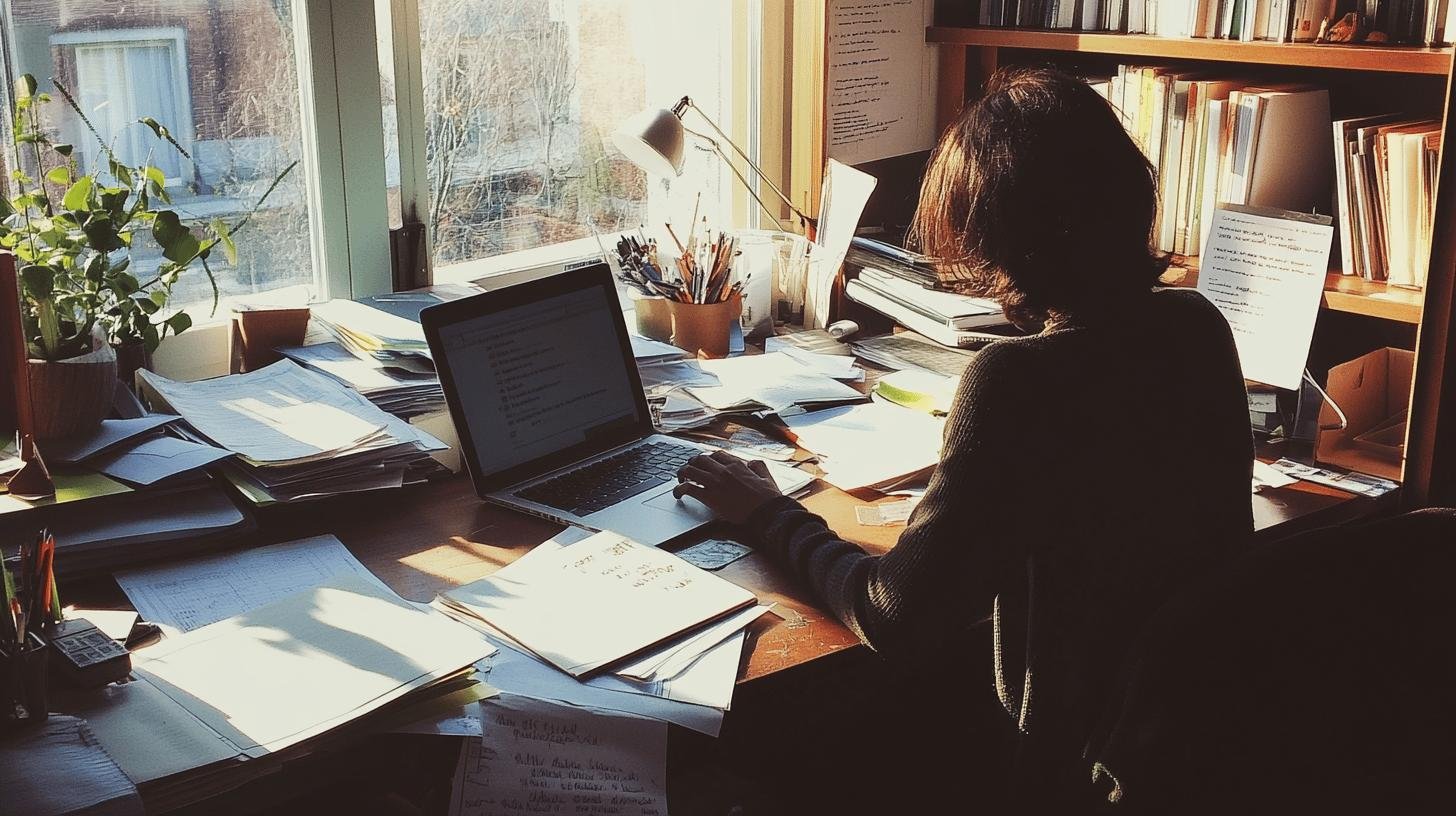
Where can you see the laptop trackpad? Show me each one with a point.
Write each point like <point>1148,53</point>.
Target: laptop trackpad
<point>687,505</point>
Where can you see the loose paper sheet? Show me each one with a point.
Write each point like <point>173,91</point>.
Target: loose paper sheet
<point>110,432</point>
<point>1265,274</point>
<point>186,596</point>
<point>537,757</point>
<point>880,68</point>
<point>841,203</point>
<point>152,460</point>
<point>869,445</point>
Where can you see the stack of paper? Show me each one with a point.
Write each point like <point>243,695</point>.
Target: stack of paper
<point>374,334</point>
<point>878,445</point>
<point>400,391</point>
<point>659,637</point>
<point>775,381</point>
<point>297,434</point>
<point>954,311</point>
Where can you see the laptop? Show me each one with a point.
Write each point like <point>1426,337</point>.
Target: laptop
<point>544,393</point>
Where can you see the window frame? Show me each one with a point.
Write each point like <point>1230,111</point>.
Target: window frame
<point>173,37</point>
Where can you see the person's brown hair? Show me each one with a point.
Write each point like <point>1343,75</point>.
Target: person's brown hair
<point>1038,198</point>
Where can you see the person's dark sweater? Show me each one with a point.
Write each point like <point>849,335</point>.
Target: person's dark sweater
<point>1086,472</point>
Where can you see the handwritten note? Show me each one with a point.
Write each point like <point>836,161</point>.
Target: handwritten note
<point>880,68</point>
<point>1265,272</point>
<point>542,758</point>
<point>636,597</point>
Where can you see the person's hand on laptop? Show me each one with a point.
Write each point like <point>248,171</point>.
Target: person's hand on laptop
<point>730,487</point>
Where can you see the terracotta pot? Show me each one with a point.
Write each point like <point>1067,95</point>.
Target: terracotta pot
<point>702,329</point>
<point>69,397</point>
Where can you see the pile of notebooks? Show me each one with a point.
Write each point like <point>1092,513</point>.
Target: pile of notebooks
<point>1385,184</point>
<point>867,253</point>
<point>1223,140</point>
<point>1431,22</point>
<point>297,433</point>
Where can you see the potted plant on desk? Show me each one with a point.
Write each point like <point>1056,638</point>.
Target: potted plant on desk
<point>73,235</point>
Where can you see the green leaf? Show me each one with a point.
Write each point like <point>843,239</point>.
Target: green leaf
<point>229,249</point>
<point>179,322</point>
<point>178,243</point>
<point>145,302</point>
<point>6,208</point>
<point>38,281</point>
<point>64,149</point>
<point>96,268</point>
<point>80,193</point>
<point>25,87</point>
<point>155,176</point>
<point>124,283</point>
<point>121,172</point>
<point>101,233</point>
<point>157,127</point>
<point>158,297</point>
<point>59,175</point>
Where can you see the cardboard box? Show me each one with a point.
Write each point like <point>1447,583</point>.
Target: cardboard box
<point>1374,392</point>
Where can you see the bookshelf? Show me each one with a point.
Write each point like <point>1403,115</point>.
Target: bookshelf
<point>1357,315</point>
<point>1398,60</point>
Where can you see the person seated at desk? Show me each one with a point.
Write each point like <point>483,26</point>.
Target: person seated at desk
<point>1087,470</point>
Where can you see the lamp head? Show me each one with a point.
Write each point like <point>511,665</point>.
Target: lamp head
<point>653,140</point>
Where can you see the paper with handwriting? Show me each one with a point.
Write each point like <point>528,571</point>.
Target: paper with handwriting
<point>539,757</point>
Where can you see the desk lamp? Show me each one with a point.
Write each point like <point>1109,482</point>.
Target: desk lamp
<point>653,140</point>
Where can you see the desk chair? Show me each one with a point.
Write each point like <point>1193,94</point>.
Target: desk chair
<point>1316,675</point>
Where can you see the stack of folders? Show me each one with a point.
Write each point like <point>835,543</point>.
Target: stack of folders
<point>1432,22</point>
<point>375,334</point>
<point>405,392</point>
<point>297,434</point>
<point>1223,141</point>
<point>867,253</point>
<point>945,317</point>
<point>210,707</point>
<point>1385,184</point>
<point>611,617</point>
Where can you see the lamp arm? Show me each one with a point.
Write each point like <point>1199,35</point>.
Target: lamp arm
<point>736,172</point>
<point>681,108</point>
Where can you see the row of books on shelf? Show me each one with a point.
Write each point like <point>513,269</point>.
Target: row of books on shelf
<point>1219,141</point>
<point>1429,22</point>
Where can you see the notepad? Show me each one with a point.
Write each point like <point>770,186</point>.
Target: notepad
<point>599,602</point>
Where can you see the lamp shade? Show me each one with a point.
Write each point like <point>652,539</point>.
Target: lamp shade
<point>653,140</point>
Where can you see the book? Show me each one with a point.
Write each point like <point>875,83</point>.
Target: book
<point>958,312</point>
<point>910,319</point>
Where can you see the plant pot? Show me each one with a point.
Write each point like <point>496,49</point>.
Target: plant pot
<point>69,397</point>
<point>703,329</point>
<point>131,357</point>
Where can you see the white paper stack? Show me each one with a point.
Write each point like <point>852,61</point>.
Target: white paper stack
<point>297,434</point>
<point>580,601</point>
<point>374,334</point>
<point>399,391</point>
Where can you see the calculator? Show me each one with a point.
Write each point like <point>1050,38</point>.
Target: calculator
<point>82,655</point>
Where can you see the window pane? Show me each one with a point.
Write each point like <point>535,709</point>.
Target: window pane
<point>521,99</point>
<point>222,77</point>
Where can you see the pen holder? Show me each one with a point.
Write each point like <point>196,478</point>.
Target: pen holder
<point>23,698</point>
<point>702,329</point>
<point>654,317</point>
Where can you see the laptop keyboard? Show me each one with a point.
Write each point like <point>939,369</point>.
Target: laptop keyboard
<point>606,482</point>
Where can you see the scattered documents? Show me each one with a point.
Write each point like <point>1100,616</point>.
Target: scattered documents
<point>842,200</point>
<point>1361,484</point>
<point>358,645</point>
<point>374,333</point>
<point>184,596</point>
<point>539,757</point>
<point>639,597</point>
<point>60,768</point>
<point>399,391</point>
<point>152,460</point>
<point>774,381</point>
<point>1265,271</point>
<point>872,445</point>
<point>906,350</point>
<point>109,433</point>
<point>650,351</point>
<point>1267,476</point>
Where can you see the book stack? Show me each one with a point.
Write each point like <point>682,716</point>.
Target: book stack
<point>1431,22</point>
<point>1385,173</point>
<point>1219,141</point>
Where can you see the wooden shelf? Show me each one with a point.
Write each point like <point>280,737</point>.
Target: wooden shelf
<point>1402,59</point>
<point>1343,293</point>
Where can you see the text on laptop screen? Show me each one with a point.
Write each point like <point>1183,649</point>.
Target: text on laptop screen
<point>540,378</point>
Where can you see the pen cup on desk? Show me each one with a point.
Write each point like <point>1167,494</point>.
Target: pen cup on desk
<point>654,317</point>
<point>703,329</point>
<point>23,677</point>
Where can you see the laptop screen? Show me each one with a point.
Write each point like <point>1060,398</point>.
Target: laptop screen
<point>542,377</point>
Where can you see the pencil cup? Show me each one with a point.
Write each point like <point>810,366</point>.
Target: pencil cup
<point>23,698</point>
<point>703,329</point>
<point>654,317</point>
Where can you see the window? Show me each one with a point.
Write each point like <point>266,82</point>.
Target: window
<point>519,99</point>
<point>222,76</point>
